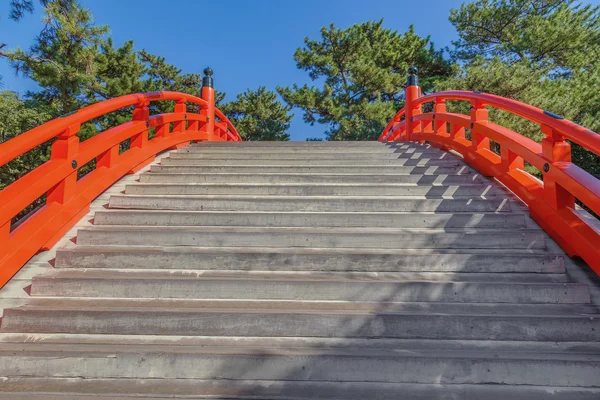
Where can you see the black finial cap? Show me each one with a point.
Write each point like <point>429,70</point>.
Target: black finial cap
<point>207,81</point>
<point>413,78</point>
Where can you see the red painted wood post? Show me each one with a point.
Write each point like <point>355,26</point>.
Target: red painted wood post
<point>140,113</point>
<point>555,150</point>
<point>439,107</point>
<point>65,148</point>
<point>179,126</point>
<point>208,94</point>
<point>478,114</point>
<point>412,93</point>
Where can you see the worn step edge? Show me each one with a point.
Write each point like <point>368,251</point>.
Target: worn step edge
<point>160,389</point>
<point>334,259</point>
<point>310,307</point>
<point>438,345</point>
<point>463,292</point>
<point>303,276</point>
<point>297,219</point>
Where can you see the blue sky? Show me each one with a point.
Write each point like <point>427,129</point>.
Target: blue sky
<point>248,43</point>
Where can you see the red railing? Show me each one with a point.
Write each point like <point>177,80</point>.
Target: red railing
<point>551,202</point>
<point>67,198</point>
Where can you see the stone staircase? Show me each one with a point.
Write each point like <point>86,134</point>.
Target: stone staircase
<point>308,270</point>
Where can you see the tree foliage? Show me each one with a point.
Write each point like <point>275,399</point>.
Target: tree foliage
<point>259,115</point>
<point>18,116</point>
<point>363,72</point>
<point>545,53</point>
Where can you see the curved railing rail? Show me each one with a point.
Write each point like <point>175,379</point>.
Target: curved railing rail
<point>551,202</point>
<point>67,198</point>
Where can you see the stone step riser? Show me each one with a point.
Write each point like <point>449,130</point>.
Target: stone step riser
<point>303,367</point>
<point>311,144</point>
<point>333,204</point>
<point>301,237</point>
<point>157,389</point>
<point>315,190</point>
<point>306,150</point>
<point>468,179</point>
<point>382,220</point>
<point>231,288</point>
<point>389,169</point>
<point>314,156</point>
<point>267,260</point>
<point>273,324</point>
<point>313,163</point>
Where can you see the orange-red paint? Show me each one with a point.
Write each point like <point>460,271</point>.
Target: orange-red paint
<point>551,202</point>
<point>68,199</point>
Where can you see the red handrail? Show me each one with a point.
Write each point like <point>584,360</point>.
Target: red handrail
<point>67,198</point>
<point>551,202</point>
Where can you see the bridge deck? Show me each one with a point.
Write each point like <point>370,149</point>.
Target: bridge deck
<point>302,270</point>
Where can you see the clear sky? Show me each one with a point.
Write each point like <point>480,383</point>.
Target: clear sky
<point>248,43</point>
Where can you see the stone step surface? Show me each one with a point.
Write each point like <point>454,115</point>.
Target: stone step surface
<point>331,169</point>
<point>242,176</point>
<point>161,389</point>
<point>390,189</point>
<point>309,219</point>
<point>334,162</point>
<point>120,318</point>
<point>313,237</point>
<point>309,203</point>
<point>386,365</point>
<point>310,259</point>
<point>317,287</point>
<point>304,270</point>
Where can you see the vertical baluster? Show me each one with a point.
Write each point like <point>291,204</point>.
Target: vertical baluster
<point>179,126</point>
<point>140,113</point>
<point>65,147</point>
<point>555,150</point>
<point>208,94</point>
<point>412,93</point>
<point>510,160</point>
<point>439,107</point>
<point>108,158</point>
<point>478,114</point>
<point>161,130</point>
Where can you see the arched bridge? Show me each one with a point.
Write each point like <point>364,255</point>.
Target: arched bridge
<point>166,258</point>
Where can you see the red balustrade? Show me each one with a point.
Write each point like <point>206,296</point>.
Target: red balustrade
<point>551,201</point>
<point>67,198</point>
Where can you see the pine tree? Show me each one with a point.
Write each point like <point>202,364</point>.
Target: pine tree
<point>259,115</point>
<point>363,69</point>
<point>542,52</point>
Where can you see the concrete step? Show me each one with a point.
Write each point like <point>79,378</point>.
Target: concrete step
<point>309,144</point>
<point>390,189</point>
<point>309,259</point>
<point>308,306</point>
<point>312,237</point>
<point>399,346</point>
<point>307,219</point>
<point>245,177</point>
<point>221,389</point>
<point>181,317</point>
<point>332,155</point>
<point>306,150</point>
<point>330,169</point>
<point>308,203</point>
<point>305,286</point>
<point>424,162</point>
<point>335,276</point>
<point>325,365</point>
